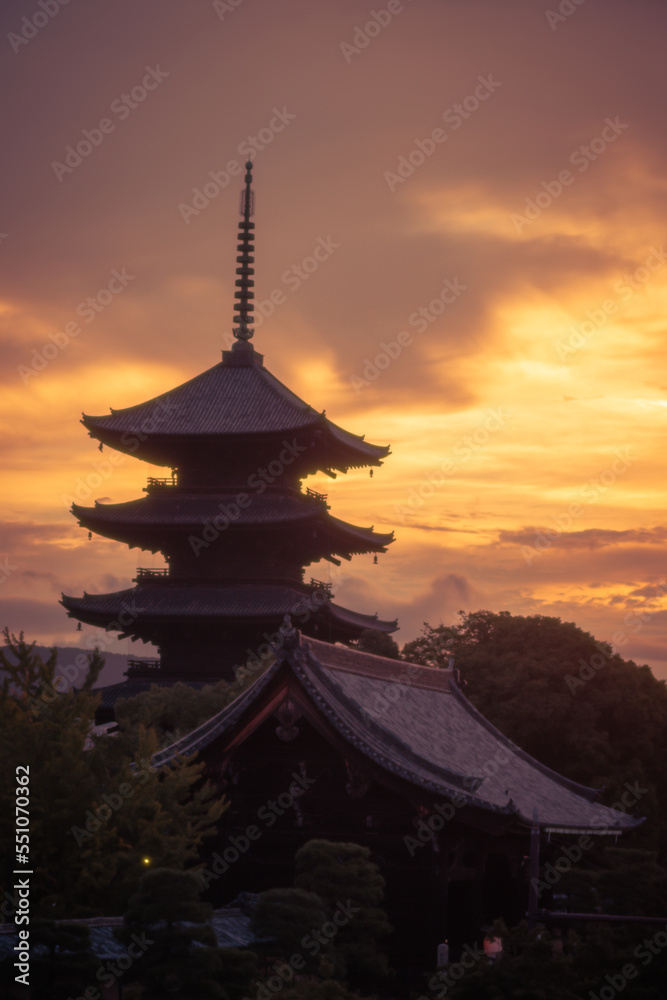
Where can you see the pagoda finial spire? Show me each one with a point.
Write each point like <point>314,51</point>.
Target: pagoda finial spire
<point>243,314</point>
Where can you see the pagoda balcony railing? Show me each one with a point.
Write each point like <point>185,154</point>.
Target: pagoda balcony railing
<point>152,574</point>
<point>320,585</point>
<point>165,483</point>
<point>317,497</point>
<point>137,667</point>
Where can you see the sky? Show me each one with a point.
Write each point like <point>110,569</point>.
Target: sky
<point>483,185</point>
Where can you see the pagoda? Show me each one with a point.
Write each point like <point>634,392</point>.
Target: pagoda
<point>232,521</point>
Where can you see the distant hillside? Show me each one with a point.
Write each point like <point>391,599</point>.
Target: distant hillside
<point>72,661</point>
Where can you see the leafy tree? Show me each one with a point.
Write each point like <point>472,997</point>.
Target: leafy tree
<point>618,880</point>
<point>342,874</point>
<point>541,965</point>
<point>96,817</point>
<point>372,640</point>
<point>525,674</point>
<point>239,971</point>
<point>283,919</point>
<point>182,957</point>
<point>312,989</point>
<point>527,968</point>
<point>175,711</point>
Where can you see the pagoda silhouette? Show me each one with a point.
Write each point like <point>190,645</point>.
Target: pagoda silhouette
<point>232,521</point>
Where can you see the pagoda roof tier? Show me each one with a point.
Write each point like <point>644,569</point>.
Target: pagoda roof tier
<point>408,727</point>
<point>236,402</point>
<point>235,603</point>
<point>181,512</point>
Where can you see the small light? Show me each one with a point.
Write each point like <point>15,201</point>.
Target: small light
<point>146,861</point>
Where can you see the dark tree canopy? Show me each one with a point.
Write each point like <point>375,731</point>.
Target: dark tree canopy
<point>372,640</point>
<point>567,699</point>
<point>343,874</point>
<point>176,710</point>
<point>97,812</point>
<point>181,957</point>
<point>283,919</point>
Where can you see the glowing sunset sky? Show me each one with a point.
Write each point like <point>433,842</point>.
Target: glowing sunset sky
<point>485,183</point>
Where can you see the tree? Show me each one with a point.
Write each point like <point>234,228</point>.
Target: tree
<point>618,880</point>
<point>527,968</point>
<point>526,675</point>
<point>538,964</point>
<point>181,957</point>
<point>174,711</point>
<point>350,885</point>
<point>372,640</point>
<point>97,816</point>
<point>313,989</point>
<point>283,921</point>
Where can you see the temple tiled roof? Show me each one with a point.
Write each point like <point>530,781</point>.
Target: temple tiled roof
<point>239,602</point>
<point>415,724</point>
<point>188,511</point>
<point>230,924</point>
<point>228,400</point>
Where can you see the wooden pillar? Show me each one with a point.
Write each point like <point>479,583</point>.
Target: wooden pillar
<point>440,887</point>
<point>533,875</point>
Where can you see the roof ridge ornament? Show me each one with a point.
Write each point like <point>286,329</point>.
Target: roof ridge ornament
<point>243,307</point>
<point>288,636</point>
